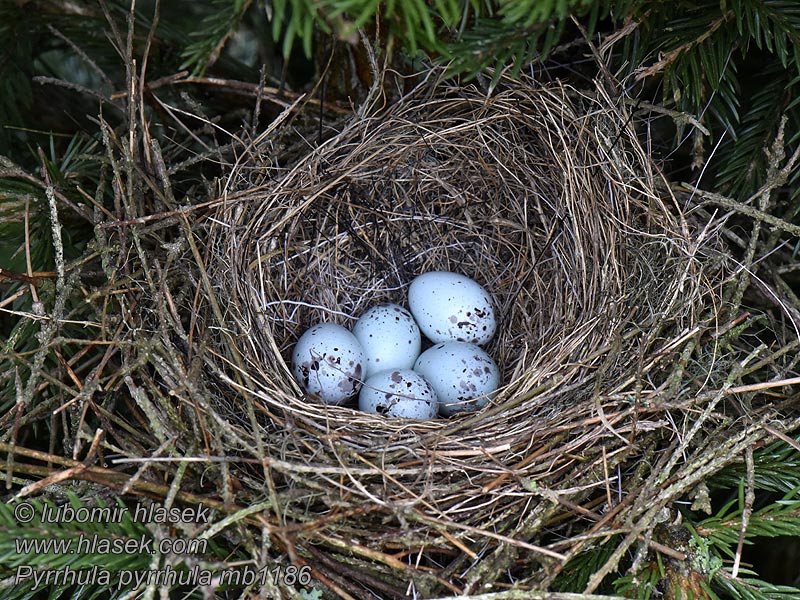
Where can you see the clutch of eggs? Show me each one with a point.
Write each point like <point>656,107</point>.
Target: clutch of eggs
<point>377,358</point>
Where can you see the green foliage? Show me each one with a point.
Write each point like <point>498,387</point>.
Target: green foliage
<point>26,235</point>
<point>471,34</point>
<point>714,540</point>
<point>779,518</point>
<point>697,52</point>
<point>491,44</point>
<point>104,543</point>
<point>776,469</point>
<point>701,51</point>
<point>752,588</point>
<point>746,167</point>
<point>642,585</point>
<point>773,25</point>
<point>15,65</point>
<point>41,546</point>
<point>36,44</point>
<point>416,22</point>
<point>213,31</point>
<point>775,519</point>
<point>575,574</point>
<point>516,34</point>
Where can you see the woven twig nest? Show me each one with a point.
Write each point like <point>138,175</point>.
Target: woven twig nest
<point>541,194</point>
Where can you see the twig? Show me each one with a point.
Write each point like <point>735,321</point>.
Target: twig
<point>272,94</point>
<point>531,595</point>
<point>730,204</point>
<point>672,56</point>
<point>28,263</point>
<point>502,538</point>
<point>749,499</point>
<point>765,385</point>
<point>676,115</point>
<point>70,473</point>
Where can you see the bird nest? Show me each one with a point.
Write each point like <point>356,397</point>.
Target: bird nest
<point>604,293</point>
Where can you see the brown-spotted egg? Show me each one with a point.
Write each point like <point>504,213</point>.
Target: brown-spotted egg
<point>463,376</point>
<point>328,361</point>
<point>390,338</point>
<point>399,393</point>
<point>450,306</point>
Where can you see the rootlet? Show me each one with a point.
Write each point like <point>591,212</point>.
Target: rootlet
<point>152,513</point>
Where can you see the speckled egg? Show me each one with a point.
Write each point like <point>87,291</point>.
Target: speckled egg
<point>390,338</point>
<point>451,307</point>
<point>399,393</point>
<point>463,376</point>
<point>328,361</point>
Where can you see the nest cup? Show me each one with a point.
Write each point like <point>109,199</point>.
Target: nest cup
<point>539,193</point>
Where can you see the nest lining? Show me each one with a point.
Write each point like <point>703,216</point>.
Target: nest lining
<point>542,195</point>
